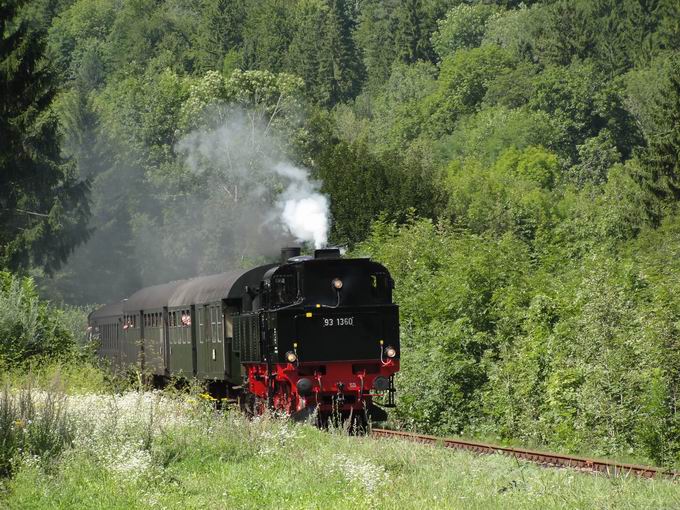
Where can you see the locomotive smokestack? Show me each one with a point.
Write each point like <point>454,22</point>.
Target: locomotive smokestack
<point>327,253</point>
<point>289,252</point>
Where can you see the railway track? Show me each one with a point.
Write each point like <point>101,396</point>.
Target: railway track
<point>543,458</point>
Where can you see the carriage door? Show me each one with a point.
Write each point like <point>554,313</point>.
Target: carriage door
<point>193,338</point>
<point>165,339</point>
<point>232,360</point>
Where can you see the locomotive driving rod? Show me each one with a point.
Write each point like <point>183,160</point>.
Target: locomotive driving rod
<point>607,467</point>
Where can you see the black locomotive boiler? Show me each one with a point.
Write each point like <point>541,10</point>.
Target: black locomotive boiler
<point>311,334</point>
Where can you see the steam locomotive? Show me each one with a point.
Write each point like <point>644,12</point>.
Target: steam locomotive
<point>313,335</point>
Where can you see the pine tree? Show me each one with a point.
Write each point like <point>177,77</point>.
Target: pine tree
<point>43,208</point>
<point>662,157</point>
<point>303,52</point>
<point>660,161</point>
<point>220,31</point>
<point>266,35</point>
<point>413,35</point>
<point>340,70</point>
<point>375,35</point>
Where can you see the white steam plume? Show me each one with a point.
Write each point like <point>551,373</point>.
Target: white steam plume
<point>259,192</point>
<point>301,208</point>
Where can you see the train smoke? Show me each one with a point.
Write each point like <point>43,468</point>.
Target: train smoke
<point>229,197</point>
<point>245,165</point>
<point>301,208</point>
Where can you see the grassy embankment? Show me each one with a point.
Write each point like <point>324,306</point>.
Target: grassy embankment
<point>82,446</point>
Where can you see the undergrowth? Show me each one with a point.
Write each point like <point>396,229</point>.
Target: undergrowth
<point>150,449</point>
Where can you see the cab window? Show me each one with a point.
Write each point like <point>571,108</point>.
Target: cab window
<point>283,290</point>
<point>380,285</point>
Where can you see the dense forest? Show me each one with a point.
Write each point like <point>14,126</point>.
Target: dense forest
<point>516,165</point>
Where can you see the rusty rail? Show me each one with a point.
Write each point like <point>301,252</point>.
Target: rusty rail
<point>609,468</point>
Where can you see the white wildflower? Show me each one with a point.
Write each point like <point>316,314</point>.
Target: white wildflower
<point>272,439</point>
<point>361,471</point>
<point>128,462</point>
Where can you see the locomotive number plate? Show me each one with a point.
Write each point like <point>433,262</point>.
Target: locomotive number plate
<point>337,321</point>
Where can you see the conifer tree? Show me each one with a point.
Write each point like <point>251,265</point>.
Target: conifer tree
<point>43,207</point>
<point>340,71</point>
<point>220,30</point>
<point>266,35</point>
<point>375,35</point>
<point>661,159</point>
<point>413,36</point>
<point>303,52</point>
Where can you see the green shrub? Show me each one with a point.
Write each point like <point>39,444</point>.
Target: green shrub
<point>573,354</point>
<point>29,328</point>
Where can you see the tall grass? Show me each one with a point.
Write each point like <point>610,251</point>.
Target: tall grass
<point>146,449</point>
<point>32,425</point>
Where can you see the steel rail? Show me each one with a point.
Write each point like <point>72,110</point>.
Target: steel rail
<point>607,467</point>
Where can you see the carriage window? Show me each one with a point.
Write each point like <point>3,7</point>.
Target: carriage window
<point>186,322</point>
<point>199,317</point>
<point>208,323</point>
<point>213,324</point>
<point>208,320</point>
<point>218,312</point>
<point>218,324</point>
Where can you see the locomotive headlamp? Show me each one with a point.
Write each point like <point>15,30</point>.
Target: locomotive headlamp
<point>390,352</point>
<point>291,357</point>
<point>337,283</point>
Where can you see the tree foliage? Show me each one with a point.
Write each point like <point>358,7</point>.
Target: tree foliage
<point>31,331</point>
<point>515,164</point>
<point>43,205</point>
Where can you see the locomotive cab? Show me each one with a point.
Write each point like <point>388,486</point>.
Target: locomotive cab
<point>331,309</point>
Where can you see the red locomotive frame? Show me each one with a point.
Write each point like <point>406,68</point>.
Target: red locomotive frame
<point>345,387</point>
